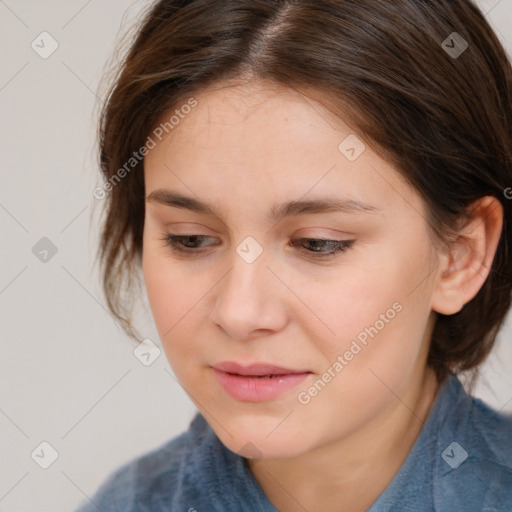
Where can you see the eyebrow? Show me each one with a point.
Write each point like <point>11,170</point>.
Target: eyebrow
<point>276,213</point>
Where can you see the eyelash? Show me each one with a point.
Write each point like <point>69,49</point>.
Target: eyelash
<point>173,241</point>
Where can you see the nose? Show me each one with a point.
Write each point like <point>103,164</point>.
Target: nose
<point>250,300</point>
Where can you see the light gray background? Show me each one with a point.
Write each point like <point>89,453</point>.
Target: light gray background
<point>68,374</point>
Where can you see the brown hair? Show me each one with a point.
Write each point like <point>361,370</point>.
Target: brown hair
<point>443,120</point>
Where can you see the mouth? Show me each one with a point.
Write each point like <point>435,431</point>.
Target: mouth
<point>256,369</point>
<point>257,382</point>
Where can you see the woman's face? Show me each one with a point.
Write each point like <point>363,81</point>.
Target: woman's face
<point>251,289</point>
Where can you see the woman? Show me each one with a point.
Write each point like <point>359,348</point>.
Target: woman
<point>318,196</point>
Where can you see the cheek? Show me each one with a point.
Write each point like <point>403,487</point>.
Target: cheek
<point>377,358</point>
<point>178,297</point>
<point>171,298</point>
<point>168,297</point>
<point>353,300</point>
<point>169,291</point>
<point>376,314</point>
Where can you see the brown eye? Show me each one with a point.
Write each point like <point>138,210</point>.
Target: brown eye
<point>323,247</point>
<point>184,243</point>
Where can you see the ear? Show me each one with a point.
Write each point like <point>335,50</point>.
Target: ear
<point>465,265</point>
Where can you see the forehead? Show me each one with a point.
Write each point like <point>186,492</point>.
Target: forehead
<point>256,139</point>
<point>254,113</point>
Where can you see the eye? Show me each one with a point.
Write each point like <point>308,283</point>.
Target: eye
<point>332,246</point>
<point>320,247</point>
<point>183,243</point>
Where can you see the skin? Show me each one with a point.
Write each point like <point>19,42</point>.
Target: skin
<point>237,150</point>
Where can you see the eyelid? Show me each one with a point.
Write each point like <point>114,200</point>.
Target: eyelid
<point>189,228</point>
<point>325,232</point>
<point>340,237</point>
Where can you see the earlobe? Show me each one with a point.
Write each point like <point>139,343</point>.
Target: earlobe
<point>450,292</point>
<point>465,267</point>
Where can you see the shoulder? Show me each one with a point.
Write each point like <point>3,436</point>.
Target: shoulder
<point>492,430</point>
<point>474,459</point>
<point>152,478</point>
<point>192,472</point>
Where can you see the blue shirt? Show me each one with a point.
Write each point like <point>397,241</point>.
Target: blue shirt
<point>461,461</point>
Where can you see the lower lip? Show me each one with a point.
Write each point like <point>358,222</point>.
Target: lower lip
<point>257,389</point>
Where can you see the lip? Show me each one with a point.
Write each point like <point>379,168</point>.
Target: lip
<point>255,369</point>
<point>257,382</point>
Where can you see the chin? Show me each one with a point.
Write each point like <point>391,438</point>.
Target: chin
<point>253,442</point>
<point>263,449</point>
